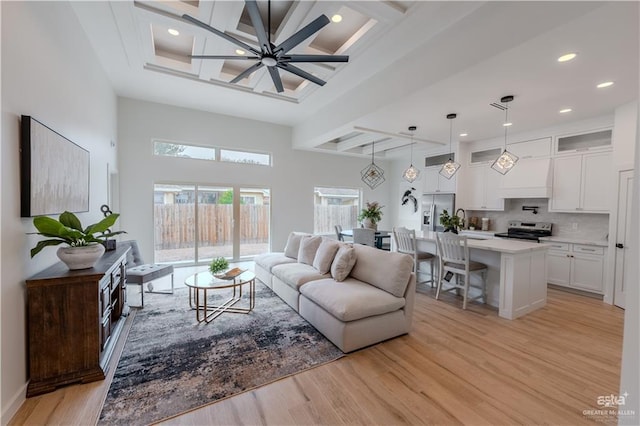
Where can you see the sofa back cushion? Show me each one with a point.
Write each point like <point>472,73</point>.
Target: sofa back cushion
<point>308,247</point>
<point>343,262</point>
<point>389,271</point>
<point>293,244</point>
<point>325,254</point>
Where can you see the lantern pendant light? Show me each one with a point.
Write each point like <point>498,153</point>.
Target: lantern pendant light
<point>505,162</point>
<point>411,173</point>
<point>372,175</point>
<point>450,167</point>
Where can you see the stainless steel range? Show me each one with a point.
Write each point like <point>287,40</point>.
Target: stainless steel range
<point>531,231</point>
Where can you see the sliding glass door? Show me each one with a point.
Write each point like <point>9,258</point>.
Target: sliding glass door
<point>195,223</point>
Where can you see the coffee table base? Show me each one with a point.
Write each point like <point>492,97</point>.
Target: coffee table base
<point>206,314</point>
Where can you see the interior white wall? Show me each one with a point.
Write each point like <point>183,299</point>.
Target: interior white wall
<point>50,72</point>
<point>291,179</point>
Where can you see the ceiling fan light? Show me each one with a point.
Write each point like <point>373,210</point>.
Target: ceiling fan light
<point>505,162</point>
<point>449,169</point>
<point>411,174</point>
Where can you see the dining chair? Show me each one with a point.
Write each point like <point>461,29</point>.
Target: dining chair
<point>405,242</point>
<point>454,257</point>
<point>339,232</point>
<point>364,236</point>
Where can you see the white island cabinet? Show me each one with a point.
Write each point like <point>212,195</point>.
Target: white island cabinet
<point>516,276</point>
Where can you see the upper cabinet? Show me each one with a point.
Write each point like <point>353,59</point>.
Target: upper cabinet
<point>481,190</point>
<point>436,183</point>
<point>597,140</point>
<point>581,183</point>
<point>536,148</point>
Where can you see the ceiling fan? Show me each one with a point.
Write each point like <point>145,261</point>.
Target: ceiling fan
<point>270,55</point>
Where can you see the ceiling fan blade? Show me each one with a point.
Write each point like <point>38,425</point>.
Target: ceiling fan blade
<point>314,58</point>
<point>275,76</point>
<point>223,57</point>
<point>300,36</point>
<point>256,21</point>
<point>247,72</point>
<point>301,73</point>
<point>227,37</point>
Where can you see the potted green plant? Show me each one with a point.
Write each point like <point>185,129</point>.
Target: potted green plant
<point>371,215</point>
<point>450,223</point>
<point>84,246</point>
<point>218,265</point>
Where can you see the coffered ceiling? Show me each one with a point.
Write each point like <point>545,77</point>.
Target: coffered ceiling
<point>410,63</point>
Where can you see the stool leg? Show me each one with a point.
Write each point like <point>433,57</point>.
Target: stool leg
<point>142,295</point>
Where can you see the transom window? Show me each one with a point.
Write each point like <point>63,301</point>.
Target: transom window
<point>182,150</point>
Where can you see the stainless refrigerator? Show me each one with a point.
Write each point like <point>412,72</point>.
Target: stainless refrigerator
<point>432,207</point>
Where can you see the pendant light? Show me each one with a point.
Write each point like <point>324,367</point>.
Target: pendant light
<point>506,160</point>
<point>450,167</point>
<point>411,173</point>
<point>372,175</point>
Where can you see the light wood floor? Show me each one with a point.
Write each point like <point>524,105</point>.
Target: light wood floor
<point>455,367</point>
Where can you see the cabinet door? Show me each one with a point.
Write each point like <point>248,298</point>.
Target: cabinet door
<point>558,268</point>
<point>493,180</point>
<point>430,182</point>
<point>596,182</point>
<point>587,272</point>
<point>567,174</point>
<point>447,185</point>
<point>474,188</point>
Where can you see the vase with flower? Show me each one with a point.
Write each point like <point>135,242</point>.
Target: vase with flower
<point>371,215</point>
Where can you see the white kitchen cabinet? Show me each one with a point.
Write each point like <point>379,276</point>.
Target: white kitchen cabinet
<point>481,190</point>
<point>577,266</point>
<point>435,183</point>
<point>536,148</point>
<point>596,140</point>
<point>581,183</point>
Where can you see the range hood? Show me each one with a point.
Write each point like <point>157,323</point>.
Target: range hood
<point>530,178</point>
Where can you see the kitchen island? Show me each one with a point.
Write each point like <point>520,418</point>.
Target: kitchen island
<point>516,276</point>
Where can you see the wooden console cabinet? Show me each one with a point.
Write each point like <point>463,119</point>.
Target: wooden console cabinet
<point>74,320</point>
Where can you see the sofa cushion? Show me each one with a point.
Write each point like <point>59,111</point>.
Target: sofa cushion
<point>308,248</point>
<point>296,274</point>
<point>269,260</point>
<point>325,254</point>
<point>343,262</point>
<point>388,271</point>
<point>351,299</point>
<point>293,244</point>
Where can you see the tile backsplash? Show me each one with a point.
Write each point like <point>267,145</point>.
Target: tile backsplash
<point>575,225</point>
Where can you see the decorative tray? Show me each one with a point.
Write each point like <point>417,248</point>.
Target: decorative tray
<point>230,274</point>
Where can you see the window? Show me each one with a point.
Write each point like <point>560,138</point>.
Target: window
<point>335,206</point>
<point>174,149</point>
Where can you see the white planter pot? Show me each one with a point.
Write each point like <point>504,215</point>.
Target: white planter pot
<point>368,223</point>
<point>80,257</point>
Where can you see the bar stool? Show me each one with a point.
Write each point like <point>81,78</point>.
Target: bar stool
<point>405,241</point>
<point>454,257</point>
<point>140,273</point>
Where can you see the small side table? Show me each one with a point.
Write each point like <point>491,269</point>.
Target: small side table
<point>201,282</point>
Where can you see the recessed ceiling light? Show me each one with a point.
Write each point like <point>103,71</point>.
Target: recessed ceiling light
<point>173,32</point>
<point>240,52</point>
<point>567,57</point>
<point>464,134</point>
<point>565,110</point>
<point>336,18</point>
<point>605,84</point>
<point>507,124</point>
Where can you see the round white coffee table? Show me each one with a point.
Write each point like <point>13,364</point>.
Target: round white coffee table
<point>202,282</point>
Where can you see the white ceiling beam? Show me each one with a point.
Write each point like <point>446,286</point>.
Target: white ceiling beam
<point>385,145</point>
<point>354,142</point>
<point>396,135</point>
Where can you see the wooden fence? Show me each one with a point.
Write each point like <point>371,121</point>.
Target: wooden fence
<point>175,225</point>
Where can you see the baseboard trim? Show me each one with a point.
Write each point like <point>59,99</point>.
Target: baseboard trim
<point>16,402</point>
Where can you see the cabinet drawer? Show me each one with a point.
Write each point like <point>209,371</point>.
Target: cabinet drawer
<point>558,246</point>
<point>105,300</point>
<point>579,248</point>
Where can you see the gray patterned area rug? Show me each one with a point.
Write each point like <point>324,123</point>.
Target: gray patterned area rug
<point>171,364</point>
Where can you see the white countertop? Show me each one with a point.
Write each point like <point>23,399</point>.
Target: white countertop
<point>499,245</point>
<point>559,239</point>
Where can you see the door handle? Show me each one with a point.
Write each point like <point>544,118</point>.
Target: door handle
<point>620,245</point>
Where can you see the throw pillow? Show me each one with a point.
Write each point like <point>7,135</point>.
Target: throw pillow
<point>325,254</point>
<point>308,248</point>
<point>343,263</point>
<point>293,244</point>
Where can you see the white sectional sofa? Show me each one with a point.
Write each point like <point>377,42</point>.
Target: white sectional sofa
<point>353,294</point>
